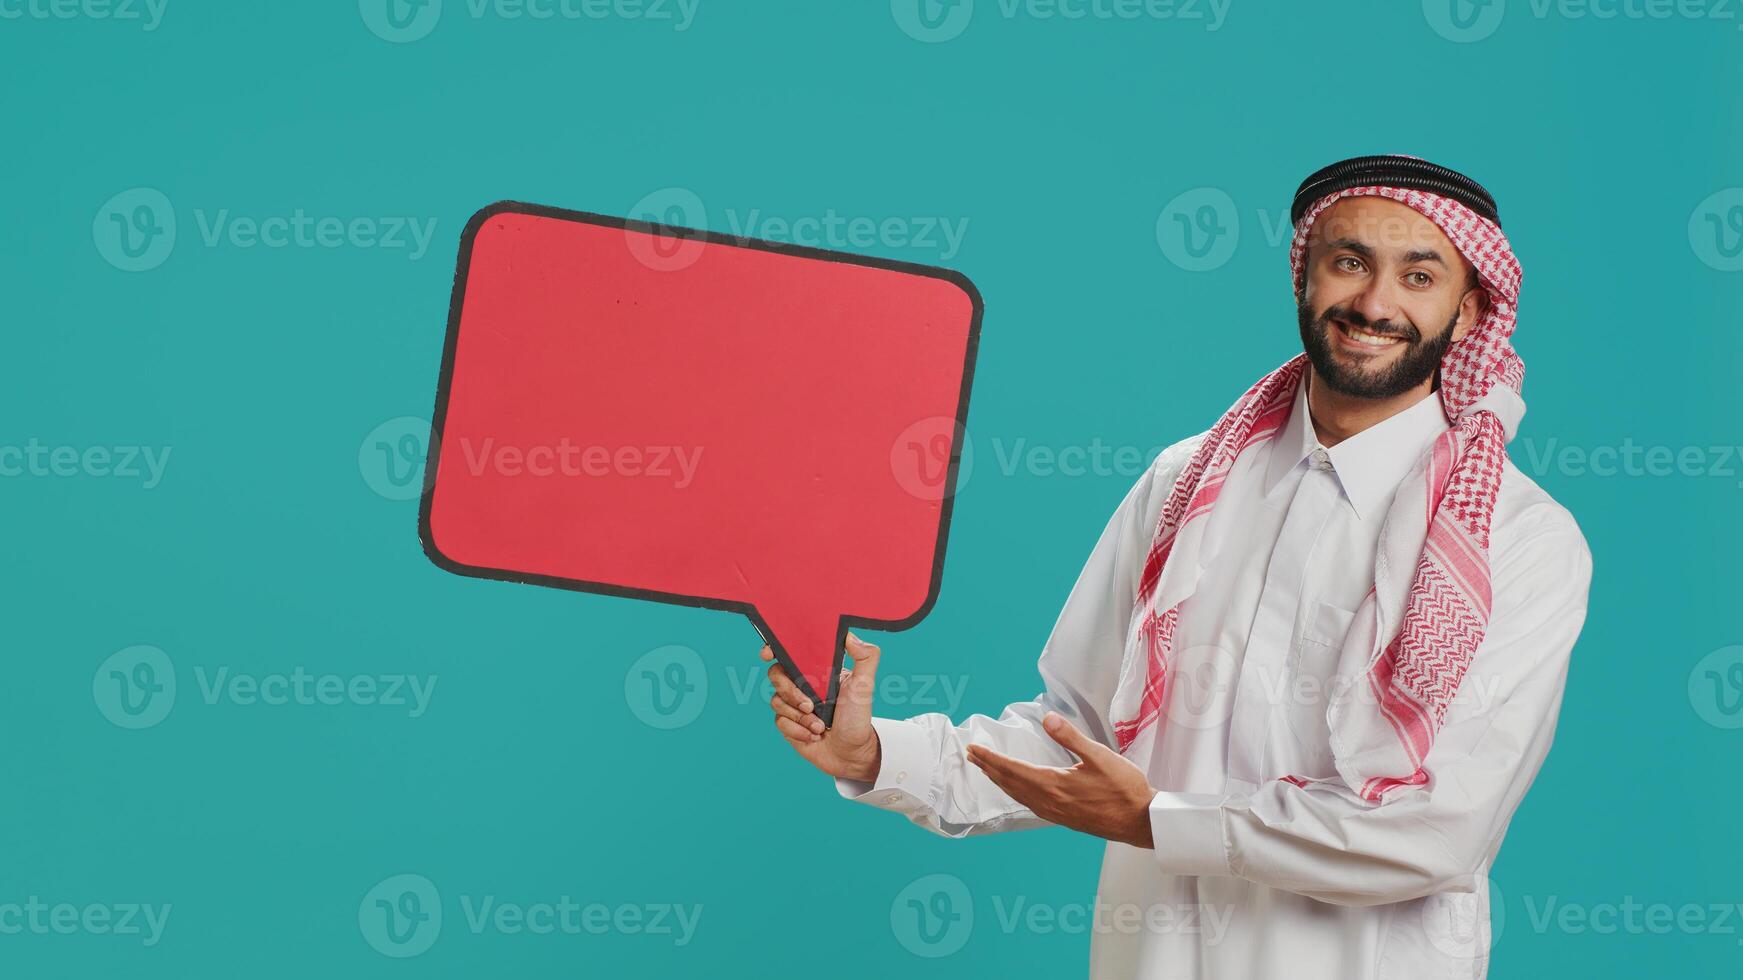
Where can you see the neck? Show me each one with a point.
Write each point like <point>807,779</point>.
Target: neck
<point>1337,416</point>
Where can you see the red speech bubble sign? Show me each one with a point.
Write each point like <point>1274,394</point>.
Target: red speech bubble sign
<point>669,414</point>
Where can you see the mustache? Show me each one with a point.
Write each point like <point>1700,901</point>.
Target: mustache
<point>1385,328</point>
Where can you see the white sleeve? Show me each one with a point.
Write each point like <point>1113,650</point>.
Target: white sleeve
<point>1325,842</point>
<point>925,773</point>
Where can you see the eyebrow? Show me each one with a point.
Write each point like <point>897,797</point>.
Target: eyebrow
<point>1352,245</point>
<point>1417,255</point>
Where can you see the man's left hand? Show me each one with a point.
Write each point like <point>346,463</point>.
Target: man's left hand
<point>1104,794</point>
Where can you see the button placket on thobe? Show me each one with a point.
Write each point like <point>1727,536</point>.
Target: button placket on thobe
<point>1262,692</point>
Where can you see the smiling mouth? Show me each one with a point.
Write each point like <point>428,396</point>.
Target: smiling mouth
<point>1356,338</point>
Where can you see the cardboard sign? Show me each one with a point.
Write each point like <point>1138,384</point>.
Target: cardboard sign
<point>680,416</point>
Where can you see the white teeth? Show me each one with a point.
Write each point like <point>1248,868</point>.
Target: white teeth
<point>1371,339</point>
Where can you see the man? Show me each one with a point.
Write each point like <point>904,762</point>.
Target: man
<point>1317,656</point>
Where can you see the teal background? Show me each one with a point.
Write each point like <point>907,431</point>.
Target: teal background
<point>533,775</point>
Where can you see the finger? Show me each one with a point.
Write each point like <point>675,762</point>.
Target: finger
<point>862,681</point>
<point>785,688</point>
<point>791,729</point>
<point>765,653</point>
<point>1065,733</point>
<point>1010,771</point>
<point>804,718</point>
<point>988,758</point>
<point>1015,783</point>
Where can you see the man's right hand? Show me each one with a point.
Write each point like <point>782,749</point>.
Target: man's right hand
<point>849,749</point>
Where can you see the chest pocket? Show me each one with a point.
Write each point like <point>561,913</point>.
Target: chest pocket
<point>1312,669</point>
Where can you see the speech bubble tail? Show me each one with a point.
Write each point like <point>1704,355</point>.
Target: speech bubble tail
<point>811,647</point>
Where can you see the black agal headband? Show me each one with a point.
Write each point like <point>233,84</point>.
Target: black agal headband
<point>1393,170</point>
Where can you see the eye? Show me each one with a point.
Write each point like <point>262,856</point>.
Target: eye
<point>1347,263</point>
<point>1420,279</point>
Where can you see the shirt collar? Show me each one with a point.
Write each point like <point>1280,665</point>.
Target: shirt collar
<point>1370,464</point>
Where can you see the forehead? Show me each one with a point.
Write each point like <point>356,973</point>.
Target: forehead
<point>1382,225</point>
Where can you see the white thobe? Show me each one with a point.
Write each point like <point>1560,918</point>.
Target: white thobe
<point>1252,877</point>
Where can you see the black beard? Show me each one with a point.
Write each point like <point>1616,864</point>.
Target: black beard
<point>1418,362</point>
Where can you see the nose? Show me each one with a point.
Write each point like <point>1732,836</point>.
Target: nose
<point>1376,301</point>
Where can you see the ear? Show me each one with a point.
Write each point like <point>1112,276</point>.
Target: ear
<point>1473,306</point>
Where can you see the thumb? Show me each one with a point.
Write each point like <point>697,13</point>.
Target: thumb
<point>1066,734</point>
<point>863,681</point>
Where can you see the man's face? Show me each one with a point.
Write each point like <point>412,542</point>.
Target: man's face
<point>1386,293</point>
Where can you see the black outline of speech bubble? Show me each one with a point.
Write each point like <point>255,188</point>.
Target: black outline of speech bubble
<point>825,706</point>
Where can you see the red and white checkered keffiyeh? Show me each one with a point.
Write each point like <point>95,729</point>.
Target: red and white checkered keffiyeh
<point>1414,635</point>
